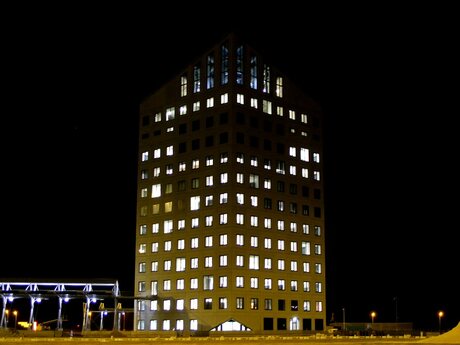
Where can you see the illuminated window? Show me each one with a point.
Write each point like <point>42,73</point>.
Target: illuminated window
<point>318,268</point>
<point>293,170</point>
<point>253,68</point>
<point>180,244</point>
<point>155,228</point>
<point>154,287</point>
<point>223,303</point>
<point>267,183</point>
<point>182,110</point>
<point>294,266</point>
<point>181,224</point>
<point>223,157</point>
<point>142,267</point>
<point>167,265</point>
<point>306,306</point>
<point>194,263</point>
<point>280,167</point>
<point>239,282</point>
<point>154,247</point>
<point>225,64</point>
<point>292,114</point>
<point>156,153</point>
<point>305,229</point>
<point>239,65</point>
<point>306,267</point>
<point>170,114</point>
<point>240,157</point>
<point>156,208</point>
<point>279,111</point>
<point>167,285</point>
<point>254,180</point>
<point>143,229</point>
<point>316,157</point>
<point>293,227</point>
<point>239,178</point>
<point>318,249</point>
<point>210,72</point>
<point>208,282</point>
<point>254,221</point>
<point>280,225</point>
<point>268,284</point>
<point>168,188</point>
<point>268,263</point>
<point>254,103</point>
<point>194,242</point>
<point>208,261</point>
<point>210,102</point>
<point>239,218</point>
<point>306,248</point>
<point>280,204</point>
<point>195,223</point>
<point>168,226</point>
<point>208,220</point>
<point>266,79</point>
<point>154,305</point>
<point>156,171</point>
<point>157,117</point>
<point>304,172</point>
<point>294,285</point>
<point>240,240</point>
<point>145,156</point>
<point>240,198</point>
<point>304,154</point>
<point>279,87</point>
<point>195,183</point>
<point>318,287</point>
<point>223,198</point>
<point>209,161</point>
<point>223,281</point>
<point>196,106</point>
<point>267,107</point>
<point>168,206</point>
<point>253,262</point>
<point>281,264</point>
<point>170,150</point>
<point>194,306</point>
<point>224,98</point>
<point>239,98</point>
<point>144,192</point>
<point>317,230</point>
<point>267,243</point>
<point>209,181</point>
<point>280,244</point>
<point>179,323</point>
<point>281,284</point>
<point>223,218</point>
<point>223,260</point>
<point>224,178</point>
<point>144,174</point>
<point>180,264</point>
<point>208,201</point>
<point>169,169</point>
<point>267,223</point>
<point>196,78</point>
<point>142,248</point>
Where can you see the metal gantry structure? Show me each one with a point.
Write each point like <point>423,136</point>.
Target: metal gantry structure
<point>63,291</point>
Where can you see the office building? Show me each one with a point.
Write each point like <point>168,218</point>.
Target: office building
<point>230,209</point>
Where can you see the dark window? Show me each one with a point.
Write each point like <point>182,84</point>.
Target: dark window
<point>254,122</point>
<point>195,125</point>
<point>267,203</point>
<point>196,144</point>
<point>223,138</point>
<point>281,323</point>
<point>239,138</point>
<point>268,324</point>
<point>209,122</point>
<point>319,324</point>
<point>279,129</point>
<point>268,126</point>
<point>209,141</point>
<point>182,128</point>
<point>305,191</point>
<point>294,305</point>
<point>280,148</point>
<point>145,136</point>
<point>315,122</point>
<point>240,118</point>
<point>267,145</point>
<point>223,118</point>
<point>317,193</point>
<point>254,141</point>
<point>281,304</point>
<point>317,212</point>
<point>145,120</point>
<point>157,132</point>
<point>293,207</point>
<point>207,303</point>
<point>182,147</point>
<point>181,185</point>
<point>293,188</point>
<point>280,186</point>
<point>306,326</point>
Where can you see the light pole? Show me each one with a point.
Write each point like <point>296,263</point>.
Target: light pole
<point>343,319</point>
<point>373,314</point>
<point>15,313</point>
<point>440,315</point>
<point>7,312</point>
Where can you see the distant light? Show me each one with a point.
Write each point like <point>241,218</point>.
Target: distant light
<point>11,298</point>
<point>66,299</point>
<point>39,300</point>
<point>94,300</point>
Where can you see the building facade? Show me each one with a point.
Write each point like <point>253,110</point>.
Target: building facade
<point>230,210</point>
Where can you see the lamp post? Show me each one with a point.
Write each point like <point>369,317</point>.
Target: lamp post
<point>373,314</point>
<point>343,319</point>
<point>440,315</point>
<point>15,313</point>
<point>7,312</point>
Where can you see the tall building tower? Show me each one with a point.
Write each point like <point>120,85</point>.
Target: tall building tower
<point>230,210</point>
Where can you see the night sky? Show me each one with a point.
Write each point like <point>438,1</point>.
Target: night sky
<point>72,88</point>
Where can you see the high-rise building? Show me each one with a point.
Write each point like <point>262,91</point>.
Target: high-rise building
<point>230,209</point>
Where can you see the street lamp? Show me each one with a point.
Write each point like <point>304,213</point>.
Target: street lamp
<point>7,312</point>
<point>15,313</point>
<point>343,319</point>
<point>440,315</point>
<point>373,314</point>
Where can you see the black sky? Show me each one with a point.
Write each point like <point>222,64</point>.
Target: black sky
<point>385,80</point>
